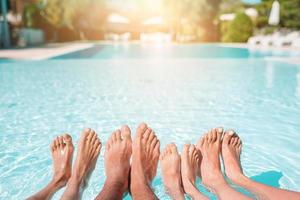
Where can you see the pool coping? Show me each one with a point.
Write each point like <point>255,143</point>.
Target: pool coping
<point>51,50</point>
<point>43,52</point>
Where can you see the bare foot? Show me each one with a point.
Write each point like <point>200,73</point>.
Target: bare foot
<point>212,177</point>
<point>62,154</point>
<point>117,157</point>
<point>231,151</point>
<point>171,173</point>
<point>210,146</point>
<point>145,154</point>
<point>189,169</point>
<point>89,146</point>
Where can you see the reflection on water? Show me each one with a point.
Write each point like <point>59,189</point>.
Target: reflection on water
<point>269,74</point>
<point>270,178</point>
<point>298,85</point>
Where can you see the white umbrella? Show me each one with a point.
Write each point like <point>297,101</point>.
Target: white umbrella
<point>275,14</point>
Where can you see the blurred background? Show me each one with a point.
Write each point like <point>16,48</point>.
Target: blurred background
<point>30,22</point>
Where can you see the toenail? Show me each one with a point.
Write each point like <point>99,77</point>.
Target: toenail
<point>220,130</point>
<point>231,132</point>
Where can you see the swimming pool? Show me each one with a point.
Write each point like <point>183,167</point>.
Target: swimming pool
<point>179,96</point>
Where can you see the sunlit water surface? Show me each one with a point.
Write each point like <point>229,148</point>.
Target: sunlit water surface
<point>179,98</point>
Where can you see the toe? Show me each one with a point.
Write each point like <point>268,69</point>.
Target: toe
<point>239,147</point>
<point>200,142</point>
<point>118,135</point>
<point>57,142</point>
<point>61,141</point>
<point>166,151</point>
<point>153,142</point>
<point>91,136</point>
<point>214,135</point>
<point>67,139</point>
<point>157,149</point>
<point>147,134</point>
<point>173,148</point>
<point>227,136</point>
<point>98,147</point>
<point>186,149</point>
<point>151,137</point>
<point>141,130</point>
<point>210,136</point>
<point>239,142</point>
<point>114,137</point>
<point>219,133</point>
<point>192,150</point>
<point>126,133</point>
<point>235,142</point>
<point>85,133</point>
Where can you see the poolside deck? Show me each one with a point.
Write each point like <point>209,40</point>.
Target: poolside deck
<point>51,50</point>
<point>43,52</point>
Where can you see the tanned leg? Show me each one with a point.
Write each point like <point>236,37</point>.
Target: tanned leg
<point>117,165</point>
<point>145,155</point>
<point>190,159</point>
<point>170,162</point>
<point>62,154</point>
<point>212,177</point>
<point>231,151</point>
<point>89,146</point>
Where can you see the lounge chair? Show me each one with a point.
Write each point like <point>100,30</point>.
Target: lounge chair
<point>255,40</point>
<point>296,43</point>
<point>269,39</point>
<point>286,40</point>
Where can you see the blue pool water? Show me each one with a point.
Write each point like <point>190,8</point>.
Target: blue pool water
<point>149,51</point>
<point>179,96</point>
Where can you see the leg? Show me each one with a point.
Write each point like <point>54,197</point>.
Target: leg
<point>145,154</point>
<point>212,177</point>
<point>117,165</point>
<point>62,154</point>
<point>89,147</point>
<point>171,173</point>
<point>231,151</point>
<point>190,159</point>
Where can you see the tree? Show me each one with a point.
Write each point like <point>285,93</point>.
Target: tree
<point>239,29</point>
<point>289,13</point>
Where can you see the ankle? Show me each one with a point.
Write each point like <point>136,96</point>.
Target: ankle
<point>239,179</point>
<point>117,184</point>
<point>189,187</point>
<point>75,180</point>
<point>174,189</point>
<point>58,182</point>
<point>214,180</point>
<point>136,184</point>
<point>173,183</point>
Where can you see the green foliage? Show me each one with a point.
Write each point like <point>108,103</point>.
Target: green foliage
<point>30,11</point>
<point>238,30</point>
<point>289,13</point>
<point>62,13</point>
